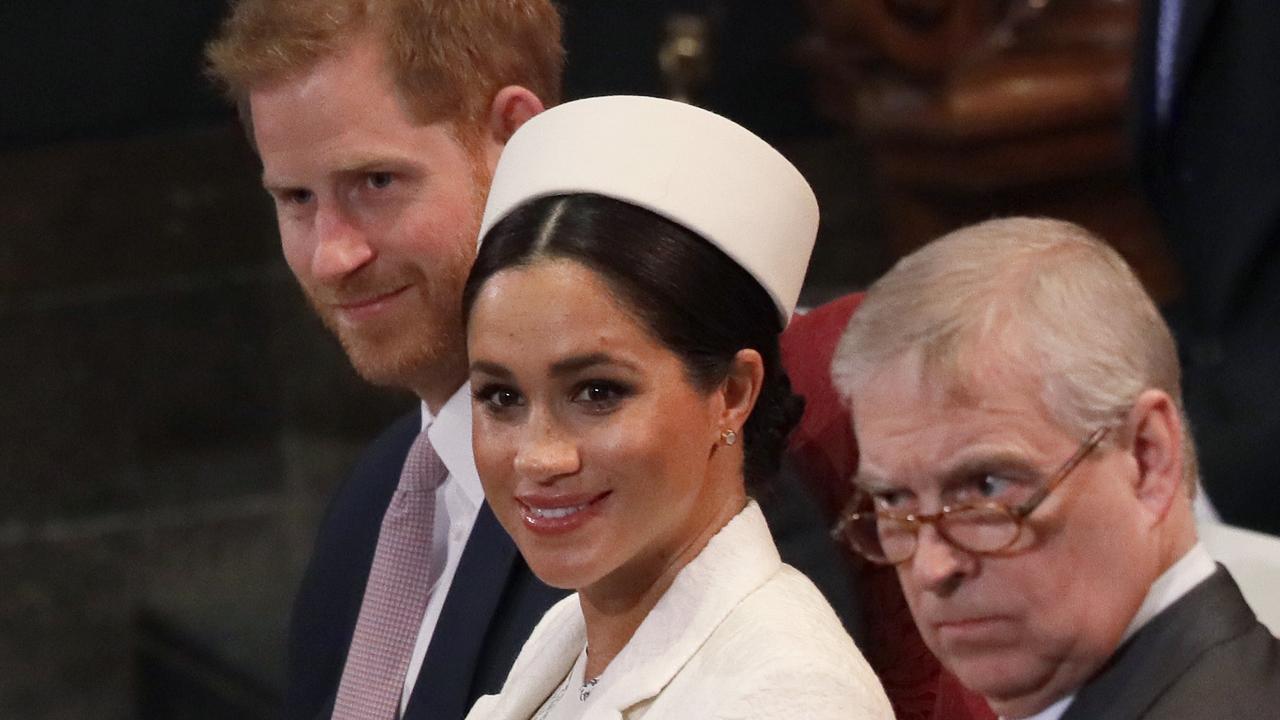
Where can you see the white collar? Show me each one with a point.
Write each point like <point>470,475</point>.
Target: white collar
<point>1189,571</point>
<point>1054,711</point>
<point>450,433</point>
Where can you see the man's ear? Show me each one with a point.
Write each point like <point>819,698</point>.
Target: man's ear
<point>512,106</point>
<point>1157,450</point>
<point>741,389</point>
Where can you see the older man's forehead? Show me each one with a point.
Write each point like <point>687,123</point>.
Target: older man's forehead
<point>909,423</point>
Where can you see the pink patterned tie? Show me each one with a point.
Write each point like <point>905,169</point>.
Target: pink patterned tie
<point>395,596</point>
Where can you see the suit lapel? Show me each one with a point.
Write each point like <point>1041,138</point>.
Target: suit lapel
<point>1191,31</point>
<point>735,563</point>
<point>1143,82</point>
<point>1153,659</point>
<point>444,683</point>
<point>543,664</point>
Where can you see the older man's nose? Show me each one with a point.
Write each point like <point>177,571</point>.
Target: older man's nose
<point>938,566</point>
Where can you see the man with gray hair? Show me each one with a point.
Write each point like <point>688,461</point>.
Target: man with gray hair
<point>1027,468</point>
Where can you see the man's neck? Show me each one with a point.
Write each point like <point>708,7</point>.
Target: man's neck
<point>436,390</point>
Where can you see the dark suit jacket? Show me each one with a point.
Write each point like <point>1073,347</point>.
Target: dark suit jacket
<point>1212,174</point>
<point>1206,656</point>
<point>492,605</point>
<point>494,602</point>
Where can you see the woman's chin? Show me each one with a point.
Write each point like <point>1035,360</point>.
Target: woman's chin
<point>555,573</point>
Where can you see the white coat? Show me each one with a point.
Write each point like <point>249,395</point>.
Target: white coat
<point>738,634</point>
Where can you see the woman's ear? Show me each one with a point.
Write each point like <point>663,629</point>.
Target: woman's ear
<point>741,389</point>
<point>1157,451</point>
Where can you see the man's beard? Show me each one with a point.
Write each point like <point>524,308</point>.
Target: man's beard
<point>418,352</point>
<point>408,350</point>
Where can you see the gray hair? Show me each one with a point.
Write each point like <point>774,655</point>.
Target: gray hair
<point>1048,294</point>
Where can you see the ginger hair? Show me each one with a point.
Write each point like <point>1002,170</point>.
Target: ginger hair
<point>449,58</point>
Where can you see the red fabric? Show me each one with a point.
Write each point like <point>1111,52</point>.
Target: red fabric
<point>824,449</point>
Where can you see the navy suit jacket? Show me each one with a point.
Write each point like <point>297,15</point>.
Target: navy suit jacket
<point>1212,173</point>
<point>1205,656</point>
<point>494,601</point>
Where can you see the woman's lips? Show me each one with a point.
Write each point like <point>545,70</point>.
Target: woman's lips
<point>559,514</point>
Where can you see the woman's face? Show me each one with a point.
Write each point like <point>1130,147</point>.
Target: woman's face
<point>596,453</point>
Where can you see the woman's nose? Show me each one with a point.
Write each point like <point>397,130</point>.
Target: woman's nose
<point>546,451</point>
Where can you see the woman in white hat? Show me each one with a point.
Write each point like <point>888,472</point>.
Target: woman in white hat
<point>639,258</point>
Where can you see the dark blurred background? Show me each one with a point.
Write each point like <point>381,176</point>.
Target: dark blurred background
<point>172,418</point>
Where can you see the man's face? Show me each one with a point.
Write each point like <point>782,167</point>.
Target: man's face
<point>378,215</point>
<point>1028,626</point>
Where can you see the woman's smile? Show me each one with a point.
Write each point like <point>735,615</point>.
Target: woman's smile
<point>558,514</point>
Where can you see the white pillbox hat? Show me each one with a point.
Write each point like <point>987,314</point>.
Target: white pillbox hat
<point>687,164</point>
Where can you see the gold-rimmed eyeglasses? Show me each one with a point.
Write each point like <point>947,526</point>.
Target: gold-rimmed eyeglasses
<point>889,538</point>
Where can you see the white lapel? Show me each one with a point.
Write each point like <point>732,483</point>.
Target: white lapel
<point>737,561</point>
<point>547,657</point>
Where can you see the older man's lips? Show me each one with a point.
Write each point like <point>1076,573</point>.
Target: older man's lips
<point>558,514</point>
<point>972,629</point>
<point>368,306</point>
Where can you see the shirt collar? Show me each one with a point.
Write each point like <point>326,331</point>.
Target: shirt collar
<point>450,433</point>
<point>1189,571</point>
<point>1054,711</point>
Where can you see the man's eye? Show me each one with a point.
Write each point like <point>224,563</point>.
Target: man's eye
<point>380,180</point>
<point>890,500</point>
<point>988,487</point>
<point>294,196</point>
<point>600,394</point>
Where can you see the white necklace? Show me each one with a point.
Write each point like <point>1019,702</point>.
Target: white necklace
<point>584,692</point>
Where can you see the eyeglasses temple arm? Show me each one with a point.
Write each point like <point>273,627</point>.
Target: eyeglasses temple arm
<point>1033,502</point>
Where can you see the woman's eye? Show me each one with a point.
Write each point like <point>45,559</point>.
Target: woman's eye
<point>498,398</point>
<point>599,394</point>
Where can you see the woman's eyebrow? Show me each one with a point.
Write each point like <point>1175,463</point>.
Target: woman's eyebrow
<point>578,363</point>
<point>490,368</point>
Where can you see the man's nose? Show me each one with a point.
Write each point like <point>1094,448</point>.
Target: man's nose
<point>938,566</point>
<point>545,450</point>
<point>341,245</point>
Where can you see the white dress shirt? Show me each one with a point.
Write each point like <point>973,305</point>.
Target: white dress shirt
<point>458,501</point>
<point>1189,571</point>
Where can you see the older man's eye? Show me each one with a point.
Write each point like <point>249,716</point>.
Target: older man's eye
<point>379,180</point>
<point>895,500</point>
<point>988,488</point>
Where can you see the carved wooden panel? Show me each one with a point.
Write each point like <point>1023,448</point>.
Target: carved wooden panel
<point>978,108</point>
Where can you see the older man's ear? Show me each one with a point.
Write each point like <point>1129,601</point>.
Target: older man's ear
<point>1156,444</point>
